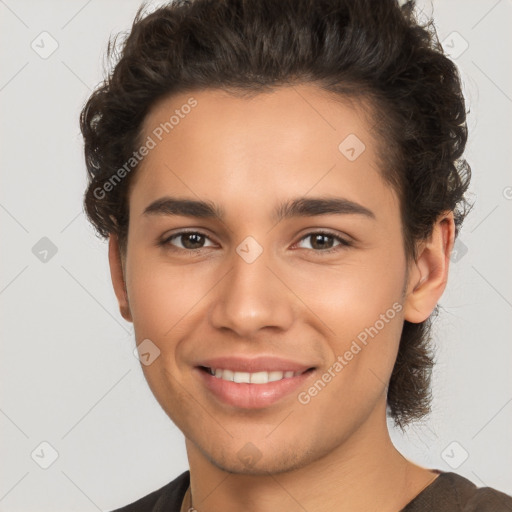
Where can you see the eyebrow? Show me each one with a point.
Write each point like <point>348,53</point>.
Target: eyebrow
<point>299,207</point>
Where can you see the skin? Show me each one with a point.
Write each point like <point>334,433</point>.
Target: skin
<point>294,301</point>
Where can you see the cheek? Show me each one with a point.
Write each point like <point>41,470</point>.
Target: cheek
<point>360,308</point>
<point>363,353</point>
<point>352,295</point>
<point>162,296</point>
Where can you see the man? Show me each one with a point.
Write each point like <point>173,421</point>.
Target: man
<point>281,183</point>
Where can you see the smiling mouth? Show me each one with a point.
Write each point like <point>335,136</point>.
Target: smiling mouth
<point>261,377</point>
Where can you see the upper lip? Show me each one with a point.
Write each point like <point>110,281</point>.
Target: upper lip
<point>255,364</point>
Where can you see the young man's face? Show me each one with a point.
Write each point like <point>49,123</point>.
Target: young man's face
<point>250,286</point>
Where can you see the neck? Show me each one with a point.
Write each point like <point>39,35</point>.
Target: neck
<point>363,473</point>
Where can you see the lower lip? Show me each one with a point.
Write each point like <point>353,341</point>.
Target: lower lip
<point>252,396</point>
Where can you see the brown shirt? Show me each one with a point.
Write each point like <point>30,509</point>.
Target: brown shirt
<point>449,492</point>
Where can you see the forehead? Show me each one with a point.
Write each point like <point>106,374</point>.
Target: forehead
<point>294,139</point>
<point>289,119</point>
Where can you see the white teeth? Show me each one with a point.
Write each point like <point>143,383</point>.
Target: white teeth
<point>227,375</point>
<point>251,378</point>
<point>259,378</point>
<point>242,377</point>
<point>273,376</point>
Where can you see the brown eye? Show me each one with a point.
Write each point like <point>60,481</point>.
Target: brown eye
<point>320,241</point>
<point>324,242</point>
<point>187,240</point>
<point>192,240</point>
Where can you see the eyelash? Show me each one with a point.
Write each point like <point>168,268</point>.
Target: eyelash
<point>342,242</point>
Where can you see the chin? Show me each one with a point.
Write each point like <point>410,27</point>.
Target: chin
<point>249,460</point>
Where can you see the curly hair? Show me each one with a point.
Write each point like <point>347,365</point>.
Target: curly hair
<point>375,51</point>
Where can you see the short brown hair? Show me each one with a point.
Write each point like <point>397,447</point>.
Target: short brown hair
<point>374,50</point>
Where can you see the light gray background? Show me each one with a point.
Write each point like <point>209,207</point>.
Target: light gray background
<point>69,376</point>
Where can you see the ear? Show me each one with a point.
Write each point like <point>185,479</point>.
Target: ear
<point>428,275</point>
<point>117,275</point>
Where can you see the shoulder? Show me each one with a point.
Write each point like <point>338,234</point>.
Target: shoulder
<point>454,493</point>
<point>168,498</point>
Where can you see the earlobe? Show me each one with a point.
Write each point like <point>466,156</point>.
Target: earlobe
<point>117,276</point>
<point>429,273</point>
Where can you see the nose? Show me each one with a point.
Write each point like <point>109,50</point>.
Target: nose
<point>251,297</point>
